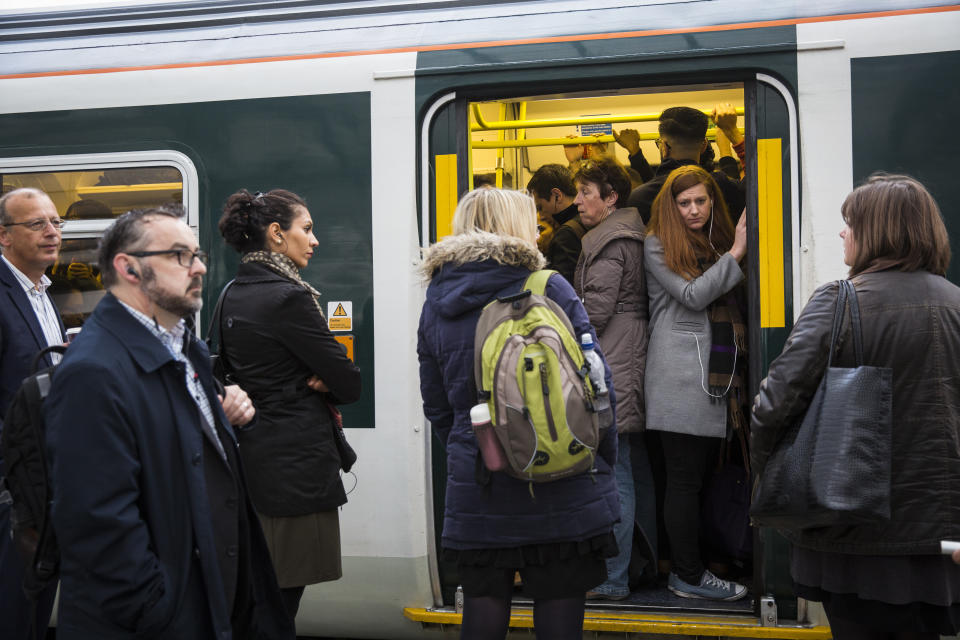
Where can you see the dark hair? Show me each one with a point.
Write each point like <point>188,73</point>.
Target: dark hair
<point>127,234</point>
<point>706,158</point>
<point>896,224</point>
<point>246,217</point>
<point>682,246</point>
<point>549,177</point>
<point>609,177</point>
<point>729,166</point>
<point>87,210</point>
<point>684,125</point>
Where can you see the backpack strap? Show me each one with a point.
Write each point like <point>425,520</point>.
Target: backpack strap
<point>577,226</point>
<point>537,281</point>
<point>40,359</point>
<point>215,327</point>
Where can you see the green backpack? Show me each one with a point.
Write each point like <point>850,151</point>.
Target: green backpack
<point>530,371</point>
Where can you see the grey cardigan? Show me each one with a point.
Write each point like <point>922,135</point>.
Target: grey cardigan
<point>679,350</point>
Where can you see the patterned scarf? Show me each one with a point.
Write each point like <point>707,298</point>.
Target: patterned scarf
<point>285,267</point>
<point>728,352</point>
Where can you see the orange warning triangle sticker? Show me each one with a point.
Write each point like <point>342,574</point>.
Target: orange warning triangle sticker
<point>340,311</point>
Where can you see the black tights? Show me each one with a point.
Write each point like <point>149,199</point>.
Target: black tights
<point>488,618</point>
<point>291,600</point>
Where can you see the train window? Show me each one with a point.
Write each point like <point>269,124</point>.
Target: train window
<point>89,199</point>
<point>510,139</point>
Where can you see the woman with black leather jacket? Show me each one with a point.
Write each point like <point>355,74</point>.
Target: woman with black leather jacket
<point>888,579</point>
<point>279,349</point>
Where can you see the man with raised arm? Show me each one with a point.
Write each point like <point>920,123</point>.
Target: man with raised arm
<point>683,137</point>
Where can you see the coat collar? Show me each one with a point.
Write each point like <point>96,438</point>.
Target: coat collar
<point>150,354</point>
<point>478,246</point>
<point>18,298</point>
<point>254,272</point>
<point>569,213</point>
<point>145,348</point>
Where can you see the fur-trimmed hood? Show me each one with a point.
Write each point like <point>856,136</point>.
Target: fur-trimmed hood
<point>467,271</point>
<point>478,246</point>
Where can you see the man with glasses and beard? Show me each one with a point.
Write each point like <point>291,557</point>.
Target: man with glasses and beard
<point>29,321</point>
<point>158,538</point>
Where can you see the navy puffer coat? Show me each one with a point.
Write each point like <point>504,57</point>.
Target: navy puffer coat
<point>466,272</point>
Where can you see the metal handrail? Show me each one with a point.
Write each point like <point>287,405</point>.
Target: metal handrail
<point>483,125</point>
<point>549,142</point>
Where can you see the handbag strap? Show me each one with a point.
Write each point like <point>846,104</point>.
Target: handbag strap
<point>214,326</point>
<point>854,321</point>
<point>837,319</point>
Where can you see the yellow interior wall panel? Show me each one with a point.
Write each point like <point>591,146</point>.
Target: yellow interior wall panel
<point>446,167</point>
<point>770,222</point>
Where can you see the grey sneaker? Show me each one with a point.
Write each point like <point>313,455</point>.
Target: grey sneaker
<point>710,588</point>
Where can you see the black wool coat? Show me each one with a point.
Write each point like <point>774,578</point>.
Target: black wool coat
<point>274,338</point>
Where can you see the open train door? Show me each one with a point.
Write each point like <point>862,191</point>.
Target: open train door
<point>772,166</point>
<point>442,175</point>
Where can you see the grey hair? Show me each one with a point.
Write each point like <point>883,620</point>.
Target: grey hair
<point>26,192</point>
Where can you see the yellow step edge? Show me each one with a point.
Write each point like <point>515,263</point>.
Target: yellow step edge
<point>666,624</point>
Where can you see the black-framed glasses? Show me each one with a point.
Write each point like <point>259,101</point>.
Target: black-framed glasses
<point>184,256</point>
<point>660,141</point>
<point>39,224</point>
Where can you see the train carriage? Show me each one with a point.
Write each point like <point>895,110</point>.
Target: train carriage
<point>382,113</point>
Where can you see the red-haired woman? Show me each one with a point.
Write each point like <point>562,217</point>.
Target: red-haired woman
<point>693,383</point>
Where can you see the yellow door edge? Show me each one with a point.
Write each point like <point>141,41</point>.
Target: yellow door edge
<point>664,624</point>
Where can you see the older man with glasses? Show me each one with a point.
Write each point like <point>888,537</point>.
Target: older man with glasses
<point>29,321</point>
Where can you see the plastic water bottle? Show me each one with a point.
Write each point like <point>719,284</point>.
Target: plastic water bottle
<point>601,402</point>
<point>490,448</point>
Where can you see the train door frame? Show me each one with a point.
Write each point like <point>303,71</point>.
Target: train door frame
<point>458,100</point>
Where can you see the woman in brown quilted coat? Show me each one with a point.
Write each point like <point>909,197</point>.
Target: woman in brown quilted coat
<point>610,280</point>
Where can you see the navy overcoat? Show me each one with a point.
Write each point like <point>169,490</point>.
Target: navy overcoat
<point>130,507</point>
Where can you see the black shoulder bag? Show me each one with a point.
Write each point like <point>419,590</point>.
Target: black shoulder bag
<point>833,467</point>
<point>218,360</point>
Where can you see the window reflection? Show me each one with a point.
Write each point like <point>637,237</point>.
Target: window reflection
<point>92,195</point>
<point>76,283</point>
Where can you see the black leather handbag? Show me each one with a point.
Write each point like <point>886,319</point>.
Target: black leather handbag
<point>833,467</point>
<point>347,455</point>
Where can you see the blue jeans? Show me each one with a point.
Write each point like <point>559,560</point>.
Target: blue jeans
<point>616,584</point>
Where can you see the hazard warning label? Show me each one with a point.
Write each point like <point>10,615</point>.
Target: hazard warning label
<point>340,315</point>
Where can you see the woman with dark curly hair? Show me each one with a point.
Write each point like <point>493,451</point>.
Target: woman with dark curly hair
<point>277,346</point>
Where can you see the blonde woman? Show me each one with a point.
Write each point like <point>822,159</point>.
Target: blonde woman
<point>492,526</point>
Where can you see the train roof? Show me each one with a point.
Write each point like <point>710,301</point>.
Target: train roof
<point>185,31</point>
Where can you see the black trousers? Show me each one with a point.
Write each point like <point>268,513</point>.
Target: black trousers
<point>687,459</point>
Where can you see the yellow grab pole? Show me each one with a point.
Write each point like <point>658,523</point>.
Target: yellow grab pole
<point>547,142</point>
<point>500,138</point>
<point>483,125</point>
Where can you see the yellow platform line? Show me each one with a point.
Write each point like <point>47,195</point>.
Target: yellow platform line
<point>666,624</point>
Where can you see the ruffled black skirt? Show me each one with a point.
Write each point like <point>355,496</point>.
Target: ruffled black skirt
<point>549,570</point>
<point>886,593</point>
